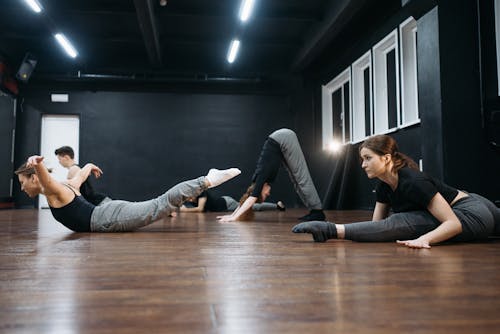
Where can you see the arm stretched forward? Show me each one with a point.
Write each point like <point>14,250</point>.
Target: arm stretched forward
<point>450,225</point>
<point>240,210</point>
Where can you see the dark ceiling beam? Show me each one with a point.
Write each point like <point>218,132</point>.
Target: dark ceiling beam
<point>338,16</point>
<point>228,15</point>
<point>149,28</point>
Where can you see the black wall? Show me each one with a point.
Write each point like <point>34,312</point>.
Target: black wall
<point>451,138</point>
<point>147,142</point>
<point>6,127</point>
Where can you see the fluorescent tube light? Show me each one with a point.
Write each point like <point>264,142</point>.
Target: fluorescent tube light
<point>246,9</point>
<point>233,50</point>
<point>70,50</point>
<point>37,8</point>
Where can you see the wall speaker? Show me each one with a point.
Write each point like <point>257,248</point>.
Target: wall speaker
<point>26,68</point>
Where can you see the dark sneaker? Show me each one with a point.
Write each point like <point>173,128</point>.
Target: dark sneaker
<point>313,215</point>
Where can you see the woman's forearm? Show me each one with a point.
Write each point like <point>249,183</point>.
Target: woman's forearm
<point>447,230</point>
<point>247,205</point>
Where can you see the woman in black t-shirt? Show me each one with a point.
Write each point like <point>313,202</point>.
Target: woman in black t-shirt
<point>425,210</point>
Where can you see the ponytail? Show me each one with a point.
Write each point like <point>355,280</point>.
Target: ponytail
<point>401,160</point>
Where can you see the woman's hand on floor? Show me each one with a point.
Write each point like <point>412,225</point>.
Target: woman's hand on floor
<point>416,243</point>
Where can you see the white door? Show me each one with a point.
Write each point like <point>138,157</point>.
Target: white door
<point>57,131</point>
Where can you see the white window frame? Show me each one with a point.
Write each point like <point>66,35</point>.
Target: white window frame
<point>409,74</point>
<point>358,98</point>
<point>327,108</point>
<point>380,94</point>
<point>497,39</point>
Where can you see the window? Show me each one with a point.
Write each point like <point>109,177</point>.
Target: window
<point>379,93</point>
<point>336,107</point>
<point>362,123</point>
<point>386,84</point>
<point>409,83</point>
<point>497,39</point>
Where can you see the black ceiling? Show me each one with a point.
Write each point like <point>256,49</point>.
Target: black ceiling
<point>185,37</point>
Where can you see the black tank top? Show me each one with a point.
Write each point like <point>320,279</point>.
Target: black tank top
<point>75,215</point>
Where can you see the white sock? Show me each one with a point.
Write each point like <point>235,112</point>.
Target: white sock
<point>216,177</point>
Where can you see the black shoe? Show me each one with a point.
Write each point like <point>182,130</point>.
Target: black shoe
<point>313,215</point>
<point>281,206</point>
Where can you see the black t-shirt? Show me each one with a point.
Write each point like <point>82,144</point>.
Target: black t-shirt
<point>214,202</point>
<point>267,166</point>
<point>414,192</point>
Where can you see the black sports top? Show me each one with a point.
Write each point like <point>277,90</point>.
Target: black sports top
<point>75,215</point>
<point>88,192</point>
<point>268,165</point>
<point>414,192</point>
<point>214,202</point>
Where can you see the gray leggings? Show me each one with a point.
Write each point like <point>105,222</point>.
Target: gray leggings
<point>123,216</point>
<point>476,219</point>
<point>232,204</point>
<point>296,166</point>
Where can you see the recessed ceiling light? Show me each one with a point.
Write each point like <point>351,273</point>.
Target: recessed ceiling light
<point>66,45</point>
<point>233,50</point>
<point>246,9</point>
<point>34,5</point>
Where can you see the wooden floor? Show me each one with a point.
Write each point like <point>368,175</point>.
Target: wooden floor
<point>191,274</point>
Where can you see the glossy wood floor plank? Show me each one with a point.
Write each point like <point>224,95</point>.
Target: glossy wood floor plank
<point>190,274</point>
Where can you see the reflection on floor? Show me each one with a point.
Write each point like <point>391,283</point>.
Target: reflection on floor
<point>190,274</point>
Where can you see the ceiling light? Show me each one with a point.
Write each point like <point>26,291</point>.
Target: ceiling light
<point>34,5</point>
<point>70,50</point>
<point>163,3</point>
<point>233,50</point>
<point>246,9</point>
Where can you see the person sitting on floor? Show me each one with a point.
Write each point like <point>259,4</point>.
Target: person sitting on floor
<point>426,211</point>
<point>207,201</point>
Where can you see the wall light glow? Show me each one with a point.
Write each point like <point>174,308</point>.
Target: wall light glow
<point>334,146</point>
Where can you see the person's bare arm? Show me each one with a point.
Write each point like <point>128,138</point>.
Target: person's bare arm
<point>381,211</point>
<point>202,201</point>
<point>72,171</point>
<point>247,205</point>
<point>57,194</point>
<point>83,174</point>
<point>450,225</point>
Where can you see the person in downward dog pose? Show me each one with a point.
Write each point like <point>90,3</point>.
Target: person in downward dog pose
<point>280,148</point>
<point>426,211</point>
<point>70,208</point>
